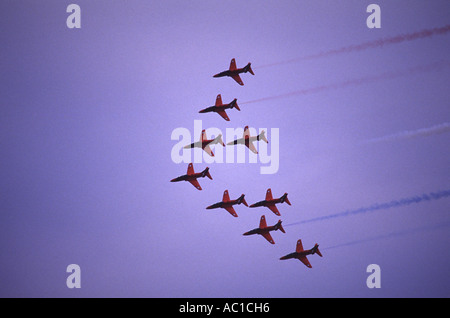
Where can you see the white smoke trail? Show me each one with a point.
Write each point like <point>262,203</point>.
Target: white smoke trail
<point>380,206</point>
<point>408,134</point>
<point>391,235</point>
<point>358,81</point>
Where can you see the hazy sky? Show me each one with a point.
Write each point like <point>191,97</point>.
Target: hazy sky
<point>86,122</point>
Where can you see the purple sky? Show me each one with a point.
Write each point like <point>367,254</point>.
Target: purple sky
<point>86,120</point>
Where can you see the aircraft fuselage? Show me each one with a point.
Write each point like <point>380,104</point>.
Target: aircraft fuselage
<point>217,108</point>
<point>281,199</point>
<point>262,231</point>
<point>266,202</point>
<point>201,144</point>
<point>298,254</point>
<point>231,72</point>
<point>188,177</point>
<point>223,204</point>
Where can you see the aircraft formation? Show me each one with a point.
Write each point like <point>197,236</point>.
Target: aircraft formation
<point>204,143</point>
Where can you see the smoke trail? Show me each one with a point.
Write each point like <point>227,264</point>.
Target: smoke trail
<point>423,132</point>
<point>370,45</point>
<point>381,206</point>
<point>358,81</point>
<point>391,235</point>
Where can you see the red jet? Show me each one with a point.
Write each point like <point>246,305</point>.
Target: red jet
<point>234,72</point>
<point>270,202</point>
<point>192,176</point>
<point>264,230</point>
<point>248,140</point>
<point>220,108</point>
<point>204,143</point>
<point>227,204</point>
<point>300,253</point>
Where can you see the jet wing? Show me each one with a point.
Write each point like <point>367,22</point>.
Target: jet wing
<point>219,100</point>
<point>190,169</point>
<point>268,237</point>
<point>269,195</point>
<point>305,261</point>
<point>299,247</point>
<point>195,183</point>
<point>203,136</point>
<point>231,210</point>
<point>208,151</point>
<point>262,222</point>
<point>274,209</point>
<point>232,65</point>
<point>246,132</point>
<point>237,78</point>
<point>223,114</point>
<point>251,146</point>
<point>226,196</point>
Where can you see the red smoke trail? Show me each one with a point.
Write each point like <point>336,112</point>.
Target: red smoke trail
<point>358,81</point>
<point>370,45</point>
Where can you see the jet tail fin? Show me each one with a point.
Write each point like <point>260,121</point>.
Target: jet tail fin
<point>249,68</point>
<point>218,140</point>
<point>235,104</point>
<point>262,136</point>
<point>281,227</point>
<point>206,173</point>
<point>242,200</point>
<point>285,199</point>
<point>317,250</point>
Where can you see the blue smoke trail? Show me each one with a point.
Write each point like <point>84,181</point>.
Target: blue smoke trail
<point>381,206</point>
<point>391,235</point>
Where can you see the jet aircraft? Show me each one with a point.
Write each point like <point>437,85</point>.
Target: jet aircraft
<point>227,204</point>
<point>204,143</point>
<point>234,72</point>
<point>192,176</point>
<point>264,230</point>
<point>219,107</point>
<point>248,140</point>
<point>301,254</point>
<point>270,202</point>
